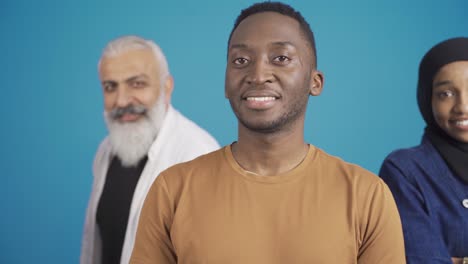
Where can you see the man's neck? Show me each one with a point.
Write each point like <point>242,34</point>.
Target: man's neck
<point>270,154</point>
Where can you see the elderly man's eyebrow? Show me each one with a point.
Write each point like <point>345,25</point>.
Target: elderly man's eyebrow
<point>136,77</point>
<point>440,83</point>
<point>109,82</point>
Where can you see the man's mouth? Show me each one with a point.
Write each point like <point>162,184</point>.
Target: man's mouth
<point>129,117</point>
<point>260,98</point>
<point>131,112</point>
<point>260,102</point>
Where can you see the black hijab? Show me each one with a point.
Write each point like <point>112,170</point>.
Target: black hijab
<point>454,152</point>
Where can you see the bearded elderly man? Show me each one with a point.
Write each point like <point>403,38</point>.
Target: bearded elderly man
<point>146,136</point>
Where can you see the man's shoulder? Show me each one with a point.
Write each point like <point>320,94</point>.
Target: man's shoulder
<point>201,165</point>
<point>341,168</point>
<point>184,128</point>
<point>181,140</point>
<point>103,150</point>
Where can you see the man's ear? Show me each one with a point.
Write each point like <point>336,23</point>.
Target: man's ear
<point>168,88</point>
<point>316,84</point>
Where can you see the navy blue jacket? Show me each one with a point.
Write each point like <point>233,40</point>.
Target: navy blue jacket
<point>430,201</point>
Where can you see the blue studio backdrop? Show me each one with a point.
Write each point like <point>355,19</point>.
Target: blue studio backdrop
<point>52,109</point>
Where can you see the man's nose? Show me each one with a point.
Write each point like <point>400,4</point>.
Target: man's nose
<point>123,98</point>
<point>260,73</point>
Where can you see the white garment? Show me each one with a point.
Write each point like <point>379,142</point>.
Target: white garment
<point>179,140</point>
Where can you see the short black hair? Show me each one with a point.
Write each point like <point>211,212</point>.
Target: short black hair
<point>283,9</point>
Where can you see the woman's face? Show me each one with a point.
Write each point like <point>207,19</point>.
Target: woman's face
<point>450,99</point>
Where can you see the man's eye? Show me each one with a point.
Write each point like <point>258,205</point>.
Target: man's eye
<point>138,84</point>
<point>281,59</point>
<point>240,61</point>
<point>108,88</point>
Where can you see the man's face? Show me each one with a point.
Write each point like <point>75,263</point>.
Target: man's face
<point>450,100</point>
<point>130,81</point>
<point>269,73</point>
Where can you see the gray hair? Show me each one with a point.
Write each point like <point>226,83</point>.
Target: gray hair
<point>127,43</point>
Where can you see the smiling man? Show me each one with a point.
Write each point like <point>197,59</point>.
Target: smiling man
<point>269,197</point>
<point>146,136</point>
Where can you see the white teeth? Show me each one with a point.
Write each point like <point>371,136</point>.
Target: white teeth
<point>261,99</point>
<point>462,123</point>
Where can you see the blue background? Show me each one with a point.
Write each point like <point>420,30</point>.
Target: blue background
<point>51,102</point>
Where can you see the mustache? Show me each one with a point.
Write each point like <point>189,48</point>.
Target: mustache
<point>130,109</point>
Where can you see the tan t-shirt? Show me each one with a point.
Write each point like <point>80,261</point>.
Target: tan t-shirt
<point>210,210</point>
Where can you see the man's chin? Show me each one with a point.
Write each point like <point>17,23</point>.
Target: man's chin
<point>132,135</point>
<point>131,140</point>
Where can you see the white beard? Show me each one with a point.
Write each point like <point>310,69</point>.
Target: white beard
<point>131,141</point>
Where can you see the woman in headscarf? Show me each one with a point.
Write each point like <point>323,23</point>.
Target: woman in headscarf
<point>430,181</point>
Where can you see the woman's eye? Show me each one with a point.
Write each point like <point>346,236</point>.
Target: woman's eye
<point>445,94</point>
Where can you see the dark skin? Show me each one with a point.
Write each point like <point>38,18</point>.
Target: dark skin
<point>269,77</point>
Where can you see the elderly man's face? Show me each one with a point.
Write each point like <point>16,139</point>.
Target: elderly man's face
<point>131,84</point>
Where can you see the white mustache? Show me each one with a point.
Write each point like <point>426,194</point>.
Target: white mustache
<point>131,109</point>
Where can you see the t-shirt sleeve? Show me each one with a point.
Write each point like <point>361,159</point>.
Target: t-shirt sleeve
<point>153,242</point>
<point>423,237</point>
<point>380,227</point>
